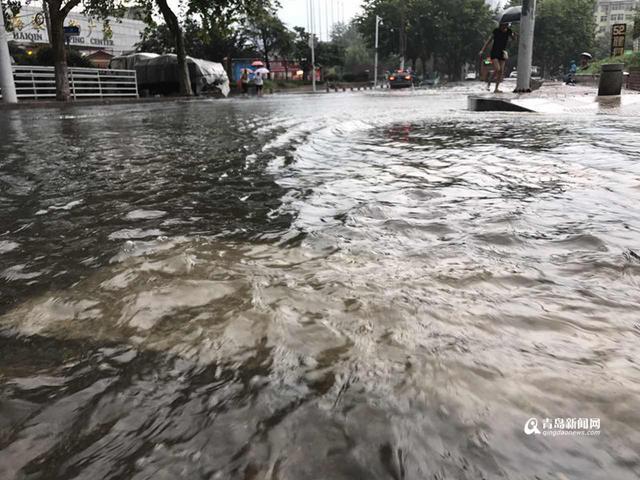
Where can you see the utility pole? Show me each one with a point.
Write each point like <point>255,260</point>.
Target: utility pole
<point>319,20</point>
<point>6,71</point>
<point>403,37</point>
<point>333,13</point>
<point>326,15</point>
<point>375,68</point>
<point>525,53</point>
<point>312,44</point>
<point>47,18</point>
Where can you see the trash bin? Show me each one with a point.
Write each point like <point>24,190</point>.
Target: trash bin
<point>611,78</point>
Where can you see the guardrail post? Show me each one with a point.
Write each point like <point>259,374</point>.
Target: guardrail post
<point>73,84</point>
<point>33,82</point>
<point>7,82</point>
<point>99,85</point>
<point>135,79</point>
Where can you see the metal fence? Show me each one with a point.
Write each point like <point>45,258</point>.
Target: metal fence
<point>34,83</point>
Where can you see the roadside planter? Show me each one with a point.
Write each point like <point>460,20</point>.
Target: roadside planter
<point>633,82</point>
<point>611,78</point>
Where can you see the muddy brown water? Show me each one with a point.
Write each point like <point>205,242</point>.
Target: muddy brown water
<point>351,286</point>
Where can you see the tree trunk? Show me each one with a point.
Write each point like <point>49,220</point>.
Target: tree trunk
<point>267,51</point>
<point>63,92</point>
<point>183,68</point>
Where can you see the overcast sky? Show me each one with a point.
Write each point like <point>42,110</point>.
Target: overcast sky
<point>294,12</point>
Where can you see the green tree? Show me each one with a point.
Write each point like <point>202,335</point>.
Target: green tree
<point>150,7</point>
<point>57,12</point>
<point>564,28</point>
<point>268,34</point>
<point>216,15</point>
<point>393,27</point>
<point>462,27</point>
<point>452,30</point>
<point>301,51</point>
<point>220,26</point>
<point>354,49</point>
<point>214,45</point>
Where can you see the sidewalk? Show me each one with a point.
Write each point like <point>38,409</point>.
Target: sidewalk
<point>37,104</point>
<point>558,98</point>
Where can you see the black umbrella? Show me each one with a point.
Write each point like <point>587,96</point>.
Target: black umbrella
<point>511,15</point>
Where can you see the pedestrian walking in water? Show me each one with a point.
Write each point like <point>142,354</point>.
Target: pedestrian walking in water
<point>499,55</point>
<point>258,81</point>
<point>570,78</point>
<point>244,81</point>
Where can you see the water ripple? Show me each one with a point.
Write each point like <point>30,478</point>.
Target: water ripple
<point>372,286</point>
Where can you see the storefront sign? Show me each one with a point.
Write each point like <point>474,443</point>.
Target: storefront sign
<point>115,35</point>
<point>72,31</point>
<point>618,38</point>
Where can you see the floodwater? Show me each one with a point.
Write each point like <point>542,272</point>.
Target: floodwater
<point>349,286</point>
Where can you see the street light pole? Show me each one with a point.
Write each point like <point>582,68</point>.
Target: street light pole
<point>525,52</point>
<point>313,61</point>
<point>375,68</point>
<point>403,38</point>
<point>312,44</point>
<point>6,71</point>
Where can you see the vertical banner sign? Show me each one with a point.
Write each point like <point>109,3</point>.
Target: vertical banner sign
<point>618,37</point>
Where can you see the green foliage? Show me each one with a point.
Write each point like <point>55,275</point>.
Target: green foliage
<point>11,8</point>
<point>630,60</point>
<point>213,45</point>
<point>43,57</point>
<point>564,29</point>
<point>451,30</point>
<point>353,49</point>
<point>356,77</point>
<point>268,34</point>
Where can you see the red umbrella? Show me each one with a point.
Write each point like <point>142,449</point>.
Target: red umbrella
<point>257,63</point>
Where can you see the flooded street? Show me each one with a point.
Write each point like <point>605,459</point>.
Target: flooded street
<point>349,286</point>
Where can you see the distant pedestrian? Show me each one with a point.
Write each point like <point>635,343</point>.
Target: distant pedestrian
<point>258,81</point>
<point>499,55</point>
<point>244,81</point>
<point>585,60</point>
<point>570,78</point>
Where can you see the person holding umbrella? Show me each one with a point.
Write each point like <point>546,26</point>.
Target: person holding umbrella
<point>244,80</point>
<point>499,55</point>
<point>259,75</point>
<point>585,60</point>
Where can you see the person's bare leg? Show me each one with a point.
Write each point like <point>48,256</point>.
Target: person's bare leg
<point>497,75</point>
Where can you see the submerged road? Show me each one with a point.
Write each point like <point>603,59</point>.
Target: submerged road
<point>350,286</point>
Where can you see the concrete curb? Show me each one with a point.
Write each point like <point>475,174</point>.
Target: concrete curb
<point>51,104</point>
<point>493,104</point>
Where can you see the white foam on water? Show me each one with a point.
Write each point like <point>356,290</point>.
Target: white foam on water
<point>145,214</point>
<point>7,246</point>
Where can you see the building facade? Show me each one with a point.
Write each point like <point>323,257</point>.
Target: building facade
<point>115,36</point>
<point>610,12</point>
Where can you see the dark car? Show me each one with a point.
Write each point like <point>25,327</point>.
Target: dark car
<point>401,79</point>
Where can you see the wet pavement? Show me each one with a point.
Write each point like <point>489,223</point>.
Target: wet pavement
<point>346,286</point>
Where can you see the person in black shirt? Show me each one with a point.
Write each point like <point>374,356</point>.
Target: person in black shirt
<point>499,56</point>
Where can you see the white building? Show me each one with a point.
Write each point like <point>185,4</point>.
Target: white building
<point>117,36</point>
<point>610,12</point>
